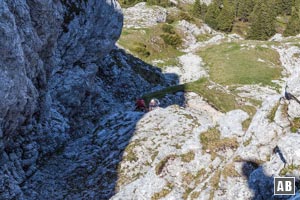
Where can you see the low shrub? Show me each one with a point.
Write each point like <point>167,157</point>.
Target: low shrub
<point>171,39</point>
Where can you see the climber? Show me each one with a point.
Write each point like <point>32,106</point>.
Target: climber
<point>154,103</point>
<point>140,105</point>
<point>288,96</point>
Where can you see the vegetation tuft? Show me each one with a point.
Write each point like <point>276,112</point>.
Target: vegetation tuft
<point>164,192</point>
<point>211,140</point>
<point>230,171</point>
<point>171,39</point>
<point>295,124</point>
<point>160,166</point>
<point>188,157</point>
<point>272,113</point>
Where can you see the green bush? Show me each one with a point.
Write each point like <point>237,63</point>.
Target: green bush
<point>173,17</point>
<point>295,125</point>
<point>185,16</point>
<point>171,39</point>
<point>170,18</point>
<point>168,29</point>
<point>141,49</point>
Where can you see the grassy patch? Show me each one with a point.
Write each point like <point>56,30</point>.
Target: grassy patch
<point>160,166</point>
<point>199,174</point>
<point>187,178</point>
<point>284,110</point>
<point>151,44</point>
<point>129,154</point>
<point>216,97</point>
<point>229,171</point>
<point>237,159</point>
<point>186,193</point>
<point>163,193</point>
<point>288,169</point>
<point>230,63</point>
<point>272,113</point>
<point>167,28</point>
<point>153,156</point>
<point>195,195</point>
<point>171,39</point>
<point>141,50</point>
<point>296,55</point>
<point>247,142</point>
<point>190,181</point>
<point>188,157</point>
<point>203,37</point>
<point>246,123</point>
<point>214,183</point>
<point>211,140</point>
<point>240,28</point>
<point>295,124</point>
<point>177,146</point>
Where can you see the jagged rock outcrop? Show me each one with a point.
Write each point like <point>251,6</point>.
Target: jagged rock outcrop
<point>41,37</point>
<point>57,82</point>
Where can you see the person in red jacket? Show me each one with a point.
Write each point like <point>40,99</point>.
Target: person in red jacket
<point>140,105</point>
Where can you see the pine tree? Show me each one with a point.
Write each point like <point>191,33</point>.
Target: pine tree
<point>283,7</point>
<point>297,4</point>
<point>197,9</point>
<point>235,4</point>
<point>211,15</point>
<point>244,9</point>
<point>293,26</point>
<point>226,17</point>
<point>203,10</point>
<point>262,22</point>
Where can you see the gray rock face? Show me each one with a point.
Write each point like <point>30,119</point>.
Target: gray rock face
<point>54,79</point>
<point>34,42</point>
<point>58,78</point>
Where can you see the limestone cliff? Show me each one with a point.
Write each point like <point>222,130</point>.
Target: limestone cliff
<point>57,80</point>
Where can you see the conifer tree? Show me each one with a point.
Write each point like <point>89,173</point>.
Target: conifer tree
<point>283,7</point>
<point>197,9</point>
<point>226,17</point>
<point>244,9</point>
<point>235,4</point>
<point>293,26</point>
<point>211,15</point>
<point>297,4</point>
<point>203,10</point>
<point>262,22</point>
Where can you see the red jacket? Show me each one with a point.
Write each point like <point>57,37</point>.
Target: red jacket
<point>140,103</point>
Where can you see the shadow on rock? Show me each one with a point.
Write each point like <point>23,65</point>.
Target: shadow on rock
<point>87,167</point>
<point>115,132</point>
<point>260,183</point>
